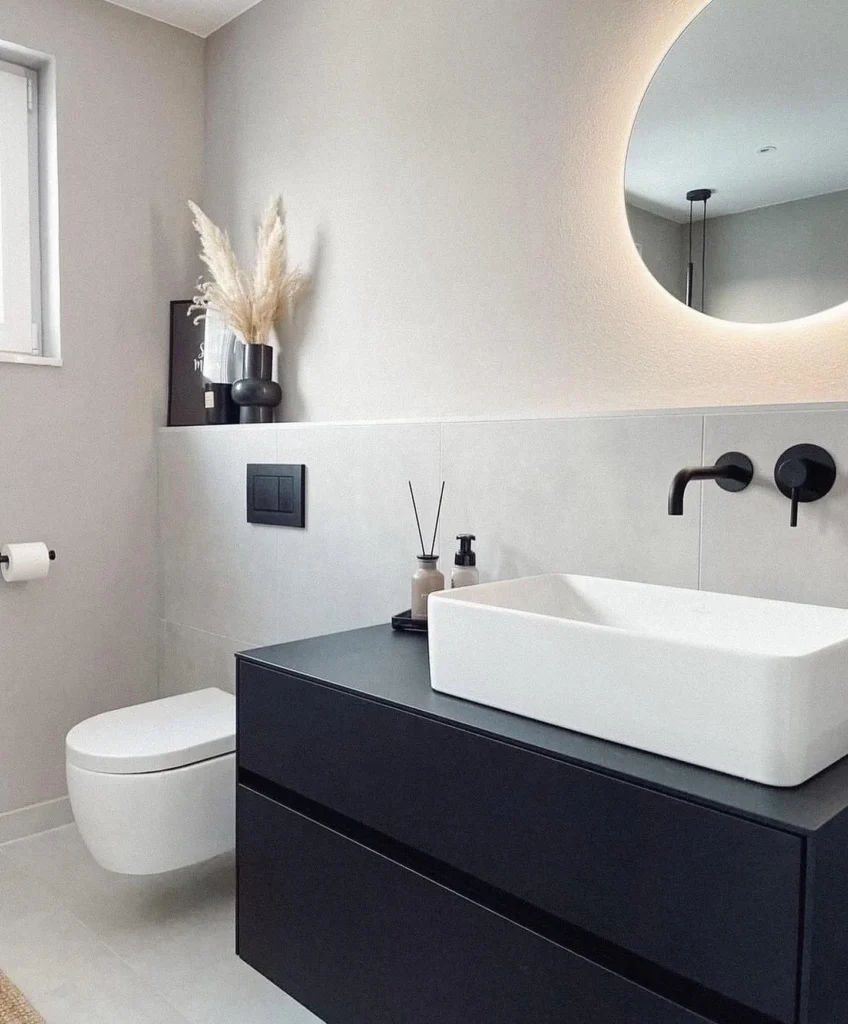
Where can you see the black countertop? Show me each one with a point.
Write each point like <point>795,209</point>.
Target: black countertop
<point>393,668</point>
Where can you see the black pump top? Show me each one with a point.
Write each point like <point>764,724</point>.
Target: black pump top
<point>465,556</point>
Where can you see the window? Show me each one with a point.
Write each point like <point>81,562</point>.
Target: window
<point>20,247</point>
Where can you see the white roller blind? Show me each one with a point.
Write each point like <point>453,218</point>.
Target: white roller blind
<point>16,256</point>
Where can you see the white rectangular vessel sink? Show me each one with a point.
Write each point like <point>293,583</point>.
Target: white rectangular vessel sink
<point>753,688</point>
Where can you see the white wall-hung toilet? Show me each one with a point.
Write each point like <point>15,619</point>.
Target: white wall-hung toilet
<point>152,786</point>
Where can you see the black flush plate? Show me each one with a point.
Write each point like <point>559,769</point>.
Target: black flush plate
<point>276,495</point>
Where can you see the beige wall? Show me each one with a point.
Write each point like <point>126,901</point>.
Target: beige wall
<point>77,458</point>
<point>459,168</point>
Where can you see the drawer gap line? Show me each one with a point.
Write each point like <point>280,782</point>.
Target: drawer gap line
<point>682,991</point>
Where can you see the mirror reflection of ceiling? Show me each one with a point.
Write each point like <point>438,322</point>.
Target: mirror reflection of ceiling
<point>747,74</point>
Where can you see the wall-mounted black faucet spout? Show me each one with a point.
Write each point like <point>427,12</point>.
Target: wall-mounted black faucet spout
<point>733,471</point>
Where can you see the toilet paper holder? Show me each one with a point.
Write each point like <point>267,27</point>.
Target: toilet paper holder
<point>4,559</point>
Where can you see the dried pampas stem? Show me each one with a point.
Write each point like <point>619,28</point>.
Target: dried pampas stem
<point>250,307</point>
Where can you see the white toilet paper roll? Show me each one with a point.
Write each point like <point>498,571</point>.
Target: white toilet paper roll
<point>26,562</point>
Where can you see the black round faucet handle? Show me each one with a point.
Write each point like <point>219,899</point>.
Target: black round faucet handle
<point>804,473</point>
<point>793,473</point>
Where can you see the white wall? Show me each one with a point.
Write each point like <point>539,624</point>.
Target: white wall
<point>586,494</point>
<point>662,248</point>
<point>77,444</point>
<point>455,171</point>
<point>780,262</point>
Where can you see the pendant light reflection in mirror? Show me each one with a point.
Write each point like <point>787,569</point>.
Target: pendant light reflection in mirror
<point>697,195</point>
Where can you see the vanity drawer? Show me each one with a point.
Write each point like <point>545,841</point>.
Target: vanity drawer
<point>710,897</point>
<point>360,939</point>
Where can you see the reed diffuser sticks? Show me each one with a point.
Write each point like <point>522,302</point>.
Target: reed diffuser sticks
<point>418,521</point>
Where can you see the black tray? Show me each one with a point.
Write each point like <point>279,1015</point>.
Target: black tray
<point>404,623</point>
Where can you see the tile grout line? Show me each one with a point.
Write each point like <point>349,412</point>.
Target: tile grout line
<point>60,904</point>
<point>32,835</point>
<point>701,504</point>
<point>278,542</point>
<point>160,563</point>
<point>20,813</point>
<point>441,477</point>
<point>142,979</point>
<point>655,412</point>
<point>208,632</point>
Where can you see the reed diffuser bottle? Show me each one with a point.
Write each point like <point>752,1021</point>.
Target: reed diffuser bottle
<point>427,579</point>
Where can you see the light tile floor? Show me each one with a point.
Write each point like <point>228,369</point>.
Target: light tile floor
<point>90,947</point>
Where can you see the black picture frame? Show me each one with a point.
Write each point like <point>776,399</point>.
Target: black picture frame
<point>186,391</point>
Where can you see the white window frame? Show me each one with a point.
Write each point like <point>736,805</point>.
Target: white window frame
<point>20,242</point>
<point>34,339</point>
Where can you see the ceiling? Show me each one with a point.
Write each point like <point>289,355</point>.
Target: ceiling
<point>746,74</point>
<point>201,17</point>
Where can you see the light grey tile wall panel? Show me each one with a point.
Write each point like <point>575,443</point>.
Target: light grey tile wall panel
<point>192,660</point>
<point>219,572</point>
<point>585,495</point>
<point>225,580</point>
<point>582,495</point>
<point>747,544</point>
<point>352,565</point>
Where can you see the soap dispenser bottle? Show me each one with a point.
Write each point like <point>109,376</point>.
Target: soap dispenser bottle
<point>464,573</point>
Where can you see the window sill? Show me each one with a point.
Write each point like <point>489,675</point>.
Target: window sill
<point>25,360</point>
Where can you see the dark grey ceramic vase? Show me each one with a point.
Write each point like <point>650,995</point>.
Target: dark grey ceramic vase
<point>256,394</point>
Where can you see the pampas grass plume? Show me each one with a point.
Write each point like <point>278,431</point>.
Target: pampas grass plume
<point>251,306</point>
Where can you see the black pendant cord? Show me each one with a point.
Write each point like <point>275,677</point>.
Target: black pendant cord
<point>691,226</point>
<point>704,261</point>
<point>690,269</point>
<point>697,195</point>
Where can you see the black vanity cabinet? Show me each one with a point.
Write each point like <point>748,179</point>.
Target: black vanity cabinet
<point>408,858</point>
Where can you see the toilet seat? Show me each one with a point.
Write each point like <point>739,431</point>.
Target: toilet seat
<point>158,736</point>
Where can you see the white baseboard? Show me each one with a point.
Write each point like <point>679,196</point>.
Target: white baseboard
<point>27,821</point>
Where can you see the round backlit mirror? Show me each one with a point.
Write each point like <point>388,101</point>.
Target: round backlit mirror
<point>737,173</point>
